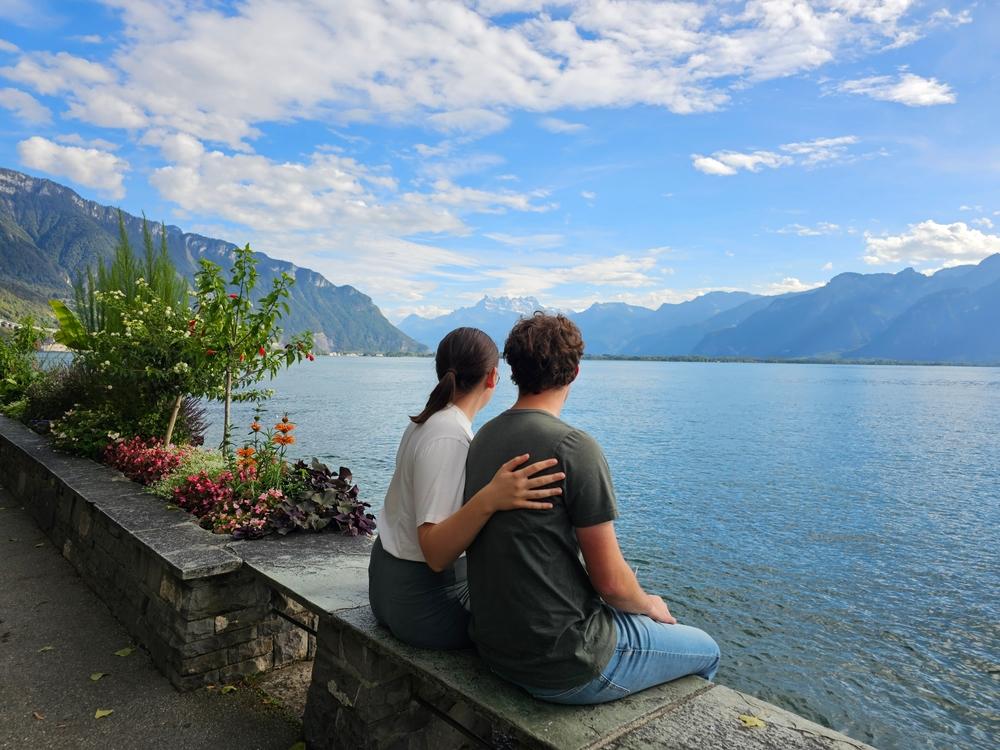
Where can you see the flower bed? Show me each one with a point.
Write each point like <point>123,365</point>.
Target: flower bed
<point>254,493</point>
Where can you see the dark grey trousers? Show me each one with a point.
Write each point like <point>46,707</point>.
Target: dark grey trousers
<point>420,607</point>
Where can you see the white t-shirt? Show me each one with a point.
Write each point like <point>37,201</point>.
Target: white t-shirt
<point>429,481</point>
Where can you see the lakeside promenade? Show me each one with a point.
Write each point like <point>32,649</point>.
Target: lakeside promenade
<point>43,604</point>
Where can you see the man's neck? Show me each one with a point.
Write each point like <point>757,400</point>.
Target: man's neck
<point>551,401</point>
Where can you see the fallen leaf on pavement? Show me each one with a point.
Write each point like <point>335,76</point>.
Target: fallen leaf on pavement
<point>46,648</point>
<point>38,715</point>
<point>102,712</point>
<point>40,544</point>
<point>751,721</point>
<point>228,689</point>
<point>97,675</point>
<point>127,651</point>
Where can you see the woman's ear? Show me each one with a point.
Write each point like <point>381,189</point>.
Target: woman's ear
<point>492,378</point>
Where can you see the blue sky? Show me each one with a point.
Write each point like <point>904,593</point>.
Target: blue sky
<point>607,150</point>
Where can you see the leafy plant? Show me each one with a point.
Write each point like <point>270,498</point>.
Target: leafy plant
<point>200,494</point>
<point>236,332</point>
<point>86,432</point>
<point>143,461</point>
<point>18,360</point>
<point>193,462</point>
<point>247,517</point>
<point>56,390</point>
<point>328,498</point>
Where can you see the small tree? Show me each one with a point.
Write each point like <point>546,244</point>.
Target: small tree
<point>18,360</point>
<point>238,334</point>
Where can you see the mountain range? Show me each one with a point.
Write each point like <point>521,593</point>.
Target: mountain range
<point>952,315</point>
<point>49,234</point>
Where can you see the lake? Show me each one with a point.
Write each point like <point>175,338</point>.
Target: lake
<point>835,528</point>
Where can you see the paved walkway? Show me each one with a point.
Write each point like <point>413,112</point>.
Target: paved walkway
<point>55,633</point>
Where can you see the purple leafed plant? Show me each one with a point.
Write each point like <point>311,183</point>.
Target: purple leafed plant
<point>328,498</point>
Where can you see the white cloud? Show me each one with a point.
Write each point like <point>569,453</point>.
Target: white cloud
<point>907,88</point>
<point>789,284</point>
<point>75,139</point>
<point>88,38</point>
<point>540,241</point>
<point>555,125</point>
<point>87,166</point>
<point>823,227</point>
<point>931,242</point>
<point>622,271</point>
<point>477,121</point>
<point>588,195</point>
<point>804,153</point>
<point>827,267</point>
<point>6,46</point>
<point>61,72</point>
<point>474,200</point>
<point>820,149</point>
<point>25,106</point>
<point>983,222</point>
<point>449,65</point>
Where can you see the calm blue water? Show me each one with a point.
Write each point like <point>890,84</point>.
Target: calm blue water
<point>836,528</point>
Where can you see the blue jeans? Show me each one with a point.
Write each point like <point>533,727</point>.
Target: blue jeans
<point>648,653</point>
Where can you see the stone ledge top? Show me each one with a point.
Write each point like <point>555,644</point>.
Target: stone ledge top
<point>686,713</point>
<point>186,549</point>
<point>324,572</point>
<point>463,675</point>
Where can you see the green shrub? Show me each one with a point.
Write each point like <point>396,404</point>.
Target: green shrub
<point>57,390</point>
<point>18,360</point>
<point>211,462</point>
<point>15,409</point>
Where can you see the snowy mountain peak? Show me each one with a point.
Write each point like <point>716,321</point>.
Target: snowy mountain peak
<point>519,305</point>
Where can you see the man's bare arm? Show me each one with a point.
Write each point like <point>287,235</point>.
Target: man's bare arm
<point>612,577</point>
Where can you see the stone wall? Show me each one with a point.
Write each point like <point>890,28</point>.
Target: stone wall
<point>202,615</point>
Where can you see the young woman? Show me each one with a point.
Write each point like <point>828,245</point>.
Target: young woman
<point>417,575</point>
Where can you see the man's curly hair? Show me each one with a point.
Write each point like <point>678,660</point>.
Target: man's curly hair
<point>543,352</point>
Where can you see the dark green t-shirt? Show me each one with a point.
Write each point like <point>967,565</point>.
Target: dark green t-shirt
<point>536,618</point>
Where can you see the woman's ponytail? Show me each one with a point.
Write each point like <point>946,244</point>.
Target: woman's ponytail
<point>463,359</point>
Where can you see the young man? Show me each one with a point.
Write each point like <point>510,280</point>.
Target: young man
<point>566,630</point>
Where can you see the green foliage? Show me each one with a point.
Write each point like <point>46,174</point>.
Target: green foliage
<point>71,332</point>
<point>15,409</point>
<point>211,462</point>
<point>18,360</point>
<point>58,389</point>
<point>123,275</point>
<point>86,432</point>
<point>237,332</point>
<point>150,357</point>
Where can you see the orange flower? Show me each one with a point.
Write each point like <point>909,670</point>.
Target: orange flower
<point>255,426</point>
<point>284,427</point>
<point>245,452</point>
<point>283,439</point>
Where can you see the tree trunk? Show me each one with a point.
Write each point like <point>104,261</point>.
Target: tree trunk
<point>226,413</point>
<point>173,420</point>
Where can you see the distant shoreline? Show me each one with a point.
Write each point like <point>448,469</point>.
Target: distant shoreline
<point>722,360</point>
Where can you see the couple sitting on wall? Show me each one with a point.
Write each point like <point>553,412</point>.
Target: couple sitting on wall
<point>567,627</point>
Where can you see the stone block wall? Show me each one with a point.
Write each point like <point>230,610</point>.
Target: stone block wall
<point>177,589</point>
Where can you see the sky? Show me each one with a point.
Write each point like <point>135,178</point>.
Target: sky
<point>428,153</point>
